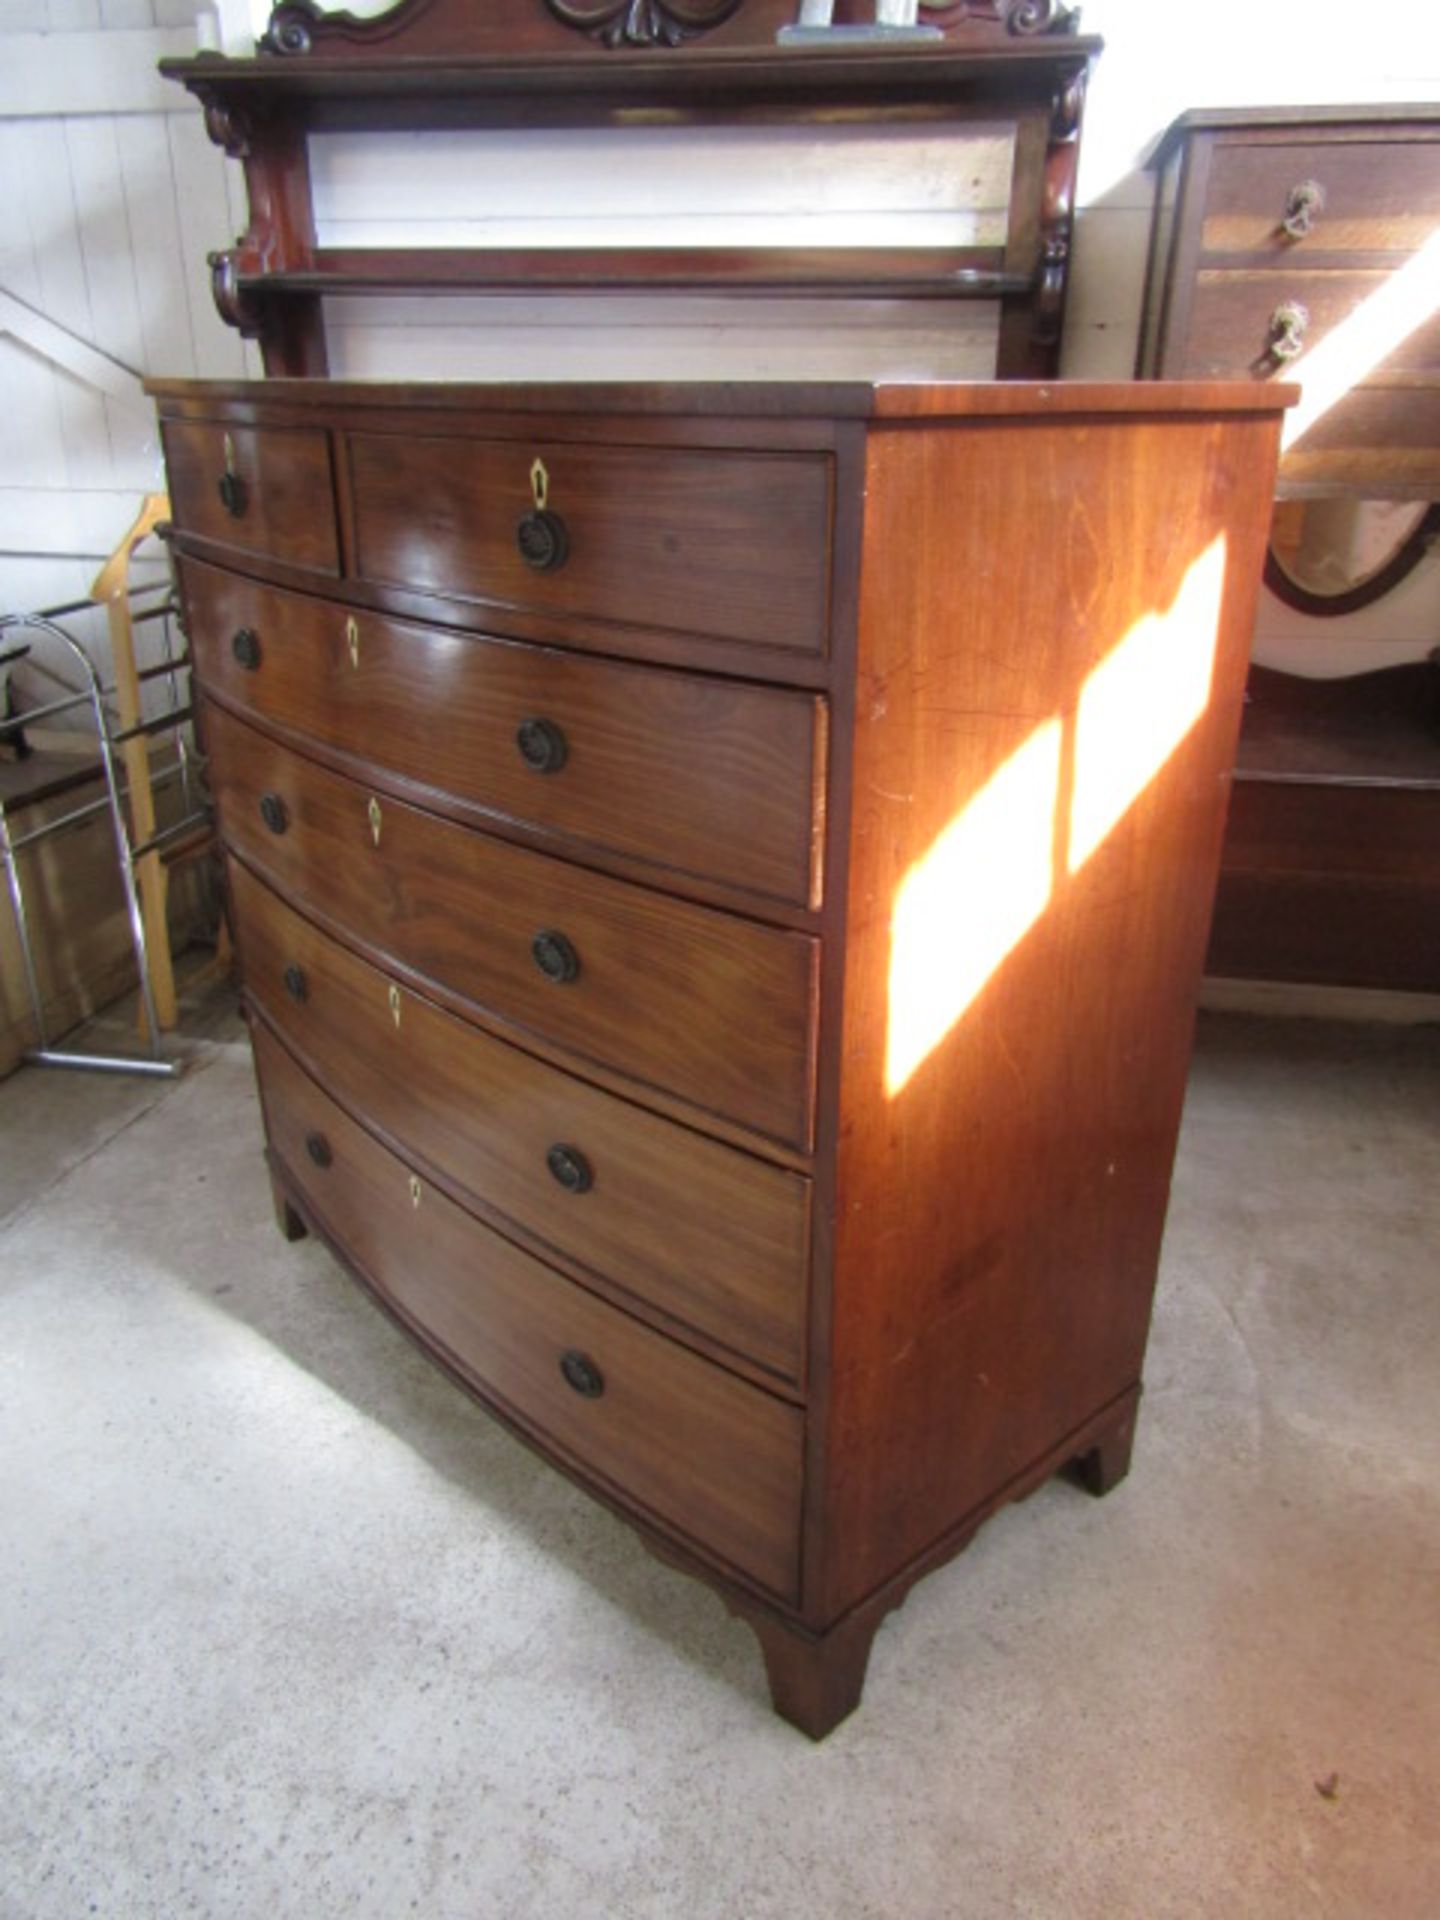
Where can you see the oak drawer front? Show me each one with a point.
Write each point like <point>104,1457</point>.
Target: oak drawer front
<point>1233,324</point>
<point>1373,197</point>
<point>714,1458</point>
<point>277,482</point>
<point>734,546</point>
<point>703,1004</point>
<point>713,1238</point>
<point>707,776</point>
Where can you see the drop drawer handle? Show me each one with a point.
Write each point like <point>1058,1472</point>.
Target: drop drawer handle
<point>555,957</point>
<point>1287,331</point>
<point>296,985</point>
<point>543,747</point>
<point>1302,203</point>
<point>570,1168</point>
<point>245,645</point>
<point>582,1374</point>
<point>318,1148</point>
<point>274,812</point>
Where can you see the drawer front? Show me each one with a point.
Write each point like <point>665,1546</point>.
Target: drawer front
<point>1373,197</point>
<point>711,1237</point>
<point>707,1455</point>
<point>700,775</point>
<point>735,546</point>
<point>277,481</point>
<point>1232,324</point>
<point>703,1004</point>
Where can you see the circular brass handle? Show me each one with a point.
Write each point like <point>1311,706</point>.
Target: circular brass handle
<point>1287,331</point>
<point>555,957</point>
<point>274,812</point>
<point>296,985</point>
<point>233,495</point>
<point>582,1374</point>
<point>543,747</point>
<point>1302,203</point>
<point>318,1148</point>
<point>245,645</point>
<point>570,1167</point>
<point>543,540</point>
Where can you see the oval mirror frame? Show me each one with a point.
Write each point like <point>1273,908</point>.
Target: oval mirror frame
<point>1364,589</point>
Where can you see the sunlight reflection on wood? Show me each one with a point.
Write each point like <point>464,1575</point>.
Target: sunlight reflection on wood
<point>1141,701</point>
<point>1363,340</point>
<point>974,896</point>
<point>983,884</point>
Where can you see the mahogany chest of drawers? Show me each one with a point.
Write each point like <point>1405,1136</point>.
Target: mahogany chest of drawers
<point>1293,237</point>
<point>721,877</point>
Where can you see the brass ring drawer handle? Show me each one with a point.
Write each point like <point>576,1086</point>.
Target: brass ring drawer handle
<point>582,1374</point>
<point>245,645</point>
<point>570,1168</point>
<point>1302,203</point>
<point>318,1148</point>
<point>555,957</point>
<point>296,984</point>
<point>274,812</point>
<point>1287,330</point>
<point>543,747</point>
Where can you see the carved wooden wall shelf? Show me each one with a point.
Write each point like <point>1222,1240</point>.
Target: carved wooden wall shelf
<point>447,64</point>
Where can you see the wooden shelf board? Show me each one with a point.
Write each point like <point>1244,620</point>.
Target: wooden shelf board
<point>1373,730</point>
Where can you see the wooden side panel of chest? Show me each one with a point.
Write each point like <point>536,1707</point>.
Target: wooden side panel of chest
<point>1045,718</point>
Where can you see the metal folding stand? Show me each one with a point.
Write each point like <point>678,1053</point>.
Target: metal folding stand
<point>93,694</point>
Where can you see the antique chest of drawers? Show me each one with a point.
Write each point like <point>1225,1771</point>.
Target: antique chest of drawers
<point>721,877</point>
<point>1296,238</point>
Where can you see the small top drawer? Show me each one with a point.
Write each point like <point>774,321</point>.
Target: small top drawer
<point>729,545</point>
<point>261,490</point>
<point>1311,197</point>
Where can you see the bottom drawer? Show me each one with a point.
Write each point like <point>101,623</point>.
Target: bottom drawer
<point>710,1457</point>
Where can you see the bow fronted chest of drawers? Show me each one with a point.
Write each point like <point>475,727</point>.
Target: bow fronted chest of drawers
<point>721,877</point>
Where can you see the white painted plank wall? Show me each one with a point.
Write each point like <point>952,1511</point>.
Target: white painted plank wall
<point>113,198</point>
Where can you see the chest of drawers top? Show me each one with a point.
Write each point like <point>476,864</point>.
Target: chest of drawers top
<point>721,877</point>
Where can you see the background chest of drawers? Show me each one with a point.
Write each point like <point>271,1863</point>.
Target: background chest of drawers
<point>1275,232</point>
<point>705,978</point>
<point>1291,244</point>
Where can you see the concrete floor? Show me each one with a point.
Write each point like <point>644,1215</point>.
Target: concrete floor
<point>288,1628</point>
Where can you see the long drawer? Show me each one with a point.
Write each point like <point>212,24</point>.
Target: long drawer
<point>1358,196</point>
<point>708,1456</point>
<point>706,1005</point>
<point>732,545</point>
<point>713,1238</point>
<point>697,774</point>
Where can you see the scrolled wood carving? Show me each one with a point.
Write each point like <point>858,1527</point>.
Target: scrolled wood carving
<point>228,126</point>
<point>643,23</point>
<point>235,304</point>
<point>1026,19</point>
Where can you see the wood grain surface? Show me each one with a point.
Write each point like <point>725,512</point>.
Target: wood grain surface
<point>715,1242</point>
<point>711,1457</point>
<point>710,1006</point>
<point>693,775</point>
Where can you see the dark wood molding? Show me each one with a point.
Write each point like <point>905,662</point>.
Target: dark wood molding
<point>644,23</point>
<point>431,64</point>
